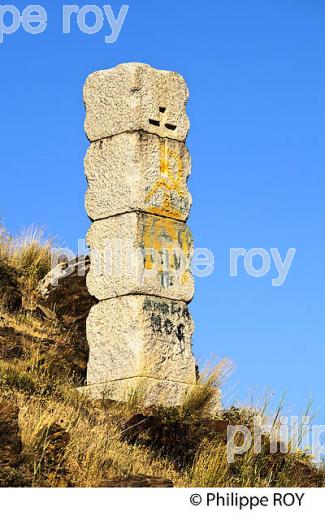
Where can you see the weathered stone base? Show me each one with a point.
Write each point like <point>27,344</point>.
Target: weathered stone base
<point>144,335</point>
<point>149,392</point>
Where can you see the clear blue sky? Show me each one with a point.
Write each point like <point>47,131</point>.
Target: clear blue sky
<point>256,74</point>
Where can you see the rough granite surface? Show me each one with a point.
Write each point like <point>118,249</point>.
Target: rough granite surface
<point>136,96</point>
<point>138,253</point>
<point>138,172</point>
<point>140,336</point>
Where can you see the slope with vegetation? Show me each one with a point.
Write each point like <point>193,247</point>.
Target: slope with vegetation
<point>50,435</point>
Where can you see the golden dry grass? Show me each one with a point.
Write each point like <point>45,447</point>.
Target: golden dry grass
<point>95,452</point>
<point>98,451</point>
<point>29,254</point>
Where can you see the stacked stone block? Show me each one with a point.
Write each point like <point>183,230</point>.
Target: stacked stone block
<point>137,166</point>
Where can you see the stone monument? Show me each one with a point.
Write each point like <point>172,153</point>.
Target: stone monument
<point>137,165</point>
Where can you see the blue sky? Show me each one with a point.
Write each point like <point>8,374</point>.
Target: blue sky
<point>257,80</point>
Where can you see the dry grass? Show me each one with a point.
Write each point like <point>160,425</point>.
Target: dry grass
<point>29,254</point>
<point>94,453</point>
<point>97,449</point>
<point>206,393</point>
<point>27,324</point>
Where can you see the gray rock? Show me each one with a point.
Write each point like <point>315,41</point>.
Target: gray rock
<point>63,297</point>
<point>63,293</point>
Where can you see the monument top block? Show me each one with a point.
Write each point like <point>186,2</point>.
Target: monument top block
<point>133,97</point>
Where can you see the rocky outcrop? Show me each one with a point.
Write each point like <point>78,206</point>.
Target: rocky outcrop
<point>62,296</point>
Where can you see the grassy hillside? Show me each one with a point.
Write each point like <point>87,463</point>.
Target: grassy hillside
<point>52,436</point>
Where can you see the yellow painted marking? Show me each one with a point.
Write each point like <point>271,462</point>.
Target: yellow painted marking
<point>168,183</point>
<point>166,237</point>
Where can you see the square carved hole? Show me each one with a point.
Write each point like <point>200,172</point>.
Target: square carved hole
<point>170,127</point>
<point>154,122</point>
